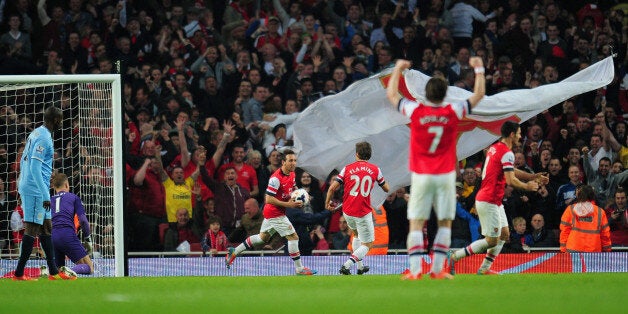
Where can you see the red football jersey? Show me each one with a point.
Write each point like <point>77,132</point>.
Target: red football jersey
<point>280,186</point>
<point>433,134</point>
<point>359,179</point>
<point>499,159</point>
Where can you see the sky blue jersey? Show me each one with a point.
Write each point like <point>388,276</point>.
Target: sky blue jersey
<point>36,164</point>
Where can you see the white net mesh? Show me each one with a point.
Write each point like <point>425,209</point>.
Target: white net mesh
<point>83,151</point>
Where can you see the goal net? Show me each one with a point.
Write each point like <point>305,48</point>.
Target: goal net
<point>88,150</point>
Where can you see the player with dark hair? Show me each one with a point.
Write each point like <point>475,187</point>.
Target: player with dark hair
<point>498,171</point>
<point>280,186</point>
<point>359,178</point>
<point>34,189</point>
<point>64,206</point>
<point>433,132</point>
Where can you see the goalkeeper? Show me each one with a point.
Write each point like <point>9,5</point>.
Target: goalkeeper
<point>64,205</point>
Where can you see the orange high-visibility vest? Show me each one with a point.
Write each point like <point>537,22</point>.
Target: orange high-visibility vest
<point>380,245</point>
<point>589,233</point>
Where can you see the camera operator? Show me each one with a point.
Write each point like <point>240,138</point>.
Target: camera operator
<point>618,218</point>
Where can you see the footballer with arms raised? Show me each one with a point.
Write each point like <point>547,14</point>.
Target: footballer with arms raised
<point>359,179</point>
<point>277,198</point>
<point>433,134</point>
<point>64,205</point>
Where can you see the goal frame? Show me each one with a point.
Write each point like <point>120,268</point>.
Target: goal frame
<point>117,136</point>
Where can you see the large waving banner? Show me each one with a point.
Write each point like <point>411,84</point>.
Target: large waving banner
<point>326,132</point>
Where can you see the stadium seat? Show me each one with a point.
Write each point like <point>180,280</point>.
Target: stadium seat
<point>162,231</point>
<point>195,247</point>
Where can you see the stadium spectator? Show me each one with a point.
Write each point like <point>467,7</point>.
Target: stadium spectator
<point>542,236</point>
<point>470,186</point>
<point>250,224</point>
<point>565,196</point>
<point>584,226</point>
<point>7,202</point>
<point>340,239</point>
<point>252,109</point>
<point>396,214</point>
<point>520,239</point>
<point>145,216</point>
<point>618,218</point>
<point>18,41</point>
<point>308,228</point>
<point>465,228</point>
<point>603,181</point>
<point>310,184</point>
<point>229,196</point>
<point>247,177</point>
<point>184,229</point>
<point>214,239</point>
<point>17,231</point>
<point>178,189</point>
<point>460,18</point>
<point>254,159</point>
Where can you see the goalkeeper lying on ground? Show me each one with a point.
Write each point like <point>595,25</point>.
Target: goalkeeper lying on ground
<point>64,205</point>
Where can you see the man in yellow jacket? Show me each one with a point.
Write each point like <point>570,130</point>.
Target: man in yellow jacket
<point>584,226</point>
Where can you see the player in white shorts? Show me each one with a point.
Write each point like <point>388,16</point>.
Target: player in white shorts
<point>433,136</point>
<point>358,178</point>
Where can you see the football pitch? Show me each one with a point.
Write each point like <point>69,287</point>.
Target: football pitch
<point>514,293</point>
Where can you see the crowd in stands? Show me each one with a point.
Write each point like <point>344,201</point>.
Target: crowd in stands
<point>213,87</point>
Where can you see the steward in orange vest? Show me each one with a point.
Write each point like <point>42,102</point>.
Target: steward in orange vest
<point>584,226</point>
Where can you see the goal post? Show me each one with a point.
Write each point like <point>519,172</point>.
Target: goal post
<point>88,148</point>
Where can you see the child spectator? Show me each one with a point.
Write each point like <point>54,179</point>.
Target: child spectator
<point>520,239</point>
<point>214,240</point>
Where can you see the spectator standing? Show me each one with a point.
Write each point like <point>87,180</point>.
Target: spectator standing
<point>247,177</point>
<point>229,196</point>
<point>145,217</point>
<point>566,195</point>
<point>19,42</point>
<point>462,14</point>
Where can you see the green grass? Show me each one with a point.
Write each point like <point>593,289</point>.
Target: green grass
<point>521,293</point>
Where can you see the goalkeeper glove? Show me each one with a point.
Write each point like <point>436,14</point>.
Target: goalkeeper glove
<point>87,244</point>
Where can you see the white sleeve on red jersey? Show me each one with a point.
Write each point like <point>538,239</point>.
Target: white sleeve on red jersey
<point>341,175</point>
<point>407,106</point>
<point>380,177</point>
<point>461,108</point>
<point>273,186</point>
<point>508,161</point>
